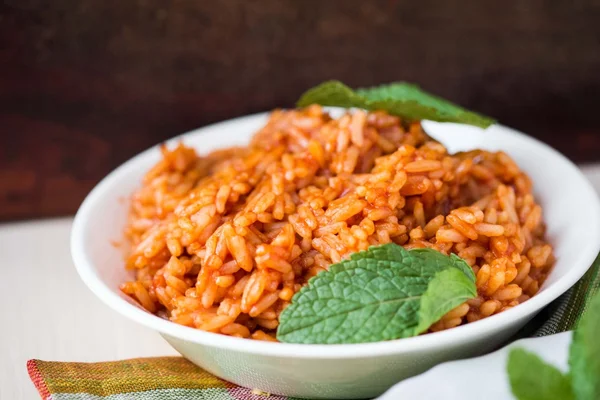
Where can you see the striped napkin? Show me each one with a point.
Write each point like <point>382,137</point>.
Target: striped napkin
<point>174,378</point>
<point>141,378</point>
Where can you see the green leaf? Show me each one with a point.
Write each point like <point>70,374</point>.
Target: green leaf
<point>584,354</point>
<point>532,379</point>
<point>383,293</point>
<point>399,98</point>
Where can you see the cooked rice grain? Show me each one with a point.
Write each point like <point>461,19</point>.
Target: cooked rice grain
<point>222,242</point>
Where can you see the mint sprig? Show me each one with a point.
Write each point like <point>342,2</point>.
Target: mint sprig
<point>383,293</point>
<point>584,354</point>
<point>533,379</point>
<point>406,100</point>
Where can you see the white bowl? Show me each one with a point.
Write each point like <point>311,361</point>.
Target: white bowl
<point>571,210</point>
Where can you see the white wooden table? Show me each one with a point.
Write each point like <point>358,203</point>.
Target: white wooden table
<point>48,313</point>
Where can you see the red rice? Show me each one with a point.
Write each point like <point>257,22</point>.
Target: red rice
<point>222,242</point>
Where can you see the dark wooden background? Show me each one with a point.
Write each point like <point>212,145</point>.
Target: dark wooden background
<point>86,84</point>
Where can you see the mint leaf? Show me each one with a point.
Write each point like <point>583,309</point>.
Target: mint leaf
<point>383,293</point>
<point>447,290</point>
<point>332,93</point>
<point>532,379</point>
<point>399,98</point>
<point>584,354</point>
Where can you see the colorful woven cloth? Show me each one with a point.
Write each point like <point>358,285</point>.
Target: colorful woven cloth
<point>167,378</point>
<point>174,378</point>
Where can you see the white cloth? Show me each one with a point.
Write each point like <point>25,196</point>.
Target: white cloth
<point>479,378</point>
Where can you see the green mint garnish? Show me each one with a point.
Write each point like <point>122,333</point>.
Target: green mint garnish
<point>383,293</point>
<point>532,379</point>
<point>584,354</point>
<point>399,98</point>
